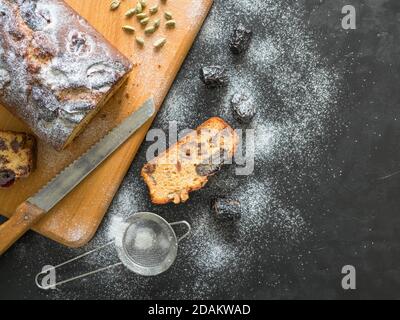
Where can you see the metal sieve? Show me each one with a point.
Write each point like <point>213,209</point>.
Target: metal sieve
<point>146,245</point>
<point>149,244</point>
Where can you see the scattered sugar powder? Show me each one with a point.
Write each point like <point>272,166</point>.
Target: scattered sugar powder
<point>196,9</point>
<point>176,104</point>
<point>295,95</point>
<point>266,136</point>
<point>210,251</point>
<point>129,200</point>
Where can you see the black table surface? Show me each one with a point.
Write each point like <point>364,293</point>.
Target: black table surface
<point>351,209</point>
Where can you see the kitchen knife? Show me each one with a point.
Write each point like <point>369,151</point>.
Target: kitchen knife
<point>33,209</point>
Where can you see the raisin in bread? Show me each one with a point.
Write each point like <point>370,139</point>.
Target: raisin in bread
<point>187,165</point>
<point>56,71</point>
<point>17,156</point>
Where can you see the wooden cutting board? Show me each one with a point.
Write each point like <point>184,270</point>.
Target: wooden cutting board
<point>75,220</point>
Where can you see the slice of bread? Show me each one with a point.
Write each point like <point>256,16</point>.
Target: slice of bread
<point>187,165</point>
<point>17,157</point>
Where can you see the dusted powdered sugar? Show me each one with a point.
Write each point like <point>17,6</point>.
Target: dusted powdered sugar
<point>295,94</point>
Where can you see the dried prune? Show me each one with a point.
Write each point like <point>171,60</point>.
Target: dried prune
<point>227,209</point>
<point>35,19</point>
<point>78,106</point>
<point>78,43</point>
<point>47,115</point>
<point>3,160</point>
<point>72,117</point>
<point>15,145</point>
<point>3,145</point>
<point>7,178</point>
<point>46,103</point>
<point>102,75</point>
<point>213,76</point>
<point>243,108</point>
<point>240,40</point>
<point>149,168</point>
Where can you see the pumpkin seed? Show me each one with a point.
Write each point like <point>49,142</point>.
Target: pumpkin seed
<point>143,3</point>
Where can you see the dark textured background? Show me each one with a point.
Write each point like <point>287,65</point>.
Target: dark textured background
<point>355,216</point>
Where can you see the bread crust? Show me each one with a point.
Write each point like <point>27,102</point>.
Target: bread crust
<point>56,70</point>
<point>175,173</point>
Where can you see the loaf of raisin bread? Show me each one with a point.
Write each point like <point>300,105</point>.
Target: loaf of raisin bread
<point>17,157</point>
<point>56,71</point>
<point>187,165</point>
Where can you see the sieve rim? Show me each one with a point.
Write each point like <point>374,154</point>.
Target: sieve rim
<point>128,261</point>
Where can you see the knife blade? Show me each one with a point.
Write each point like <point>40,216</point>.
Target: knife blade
<point>36,206</point>
<point>71,176</point>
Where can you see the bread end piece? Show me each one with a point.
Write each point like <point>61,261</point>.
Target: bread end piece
<point>56,70</point>
<point>17,156</point>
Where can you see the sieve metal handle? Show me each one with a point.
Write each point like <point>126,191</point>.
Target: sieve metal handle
<point>44,272</point>
<point>189,227</point>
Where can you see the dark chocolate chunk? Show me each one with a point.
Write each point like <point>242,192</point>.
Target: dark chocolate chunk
<point>7,178</point>
<point>227,209</point>
<point>208,169</point>
<point>240,40</point>
<point>243,108</point>
<point>213,76</point>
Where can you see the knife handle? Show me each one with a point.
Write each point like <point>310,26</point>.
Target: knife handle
<point>22,220</point>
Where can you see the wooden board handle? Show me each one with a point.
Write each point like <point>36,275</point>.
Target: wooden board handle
<point>23,219</point>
